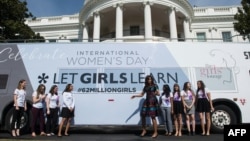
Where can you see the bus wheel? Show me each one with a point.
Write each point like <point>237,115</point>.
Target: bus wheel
<point>221,116</point>
<point>25,121</point>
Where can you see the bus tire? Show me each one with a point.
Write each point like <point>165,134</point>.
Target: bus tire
<point>25,121</point>
<point>222,115</point>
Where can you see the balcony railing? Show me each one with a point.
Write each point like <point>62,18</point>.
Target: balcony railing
<point>157,33</point>
<point>158,36</point>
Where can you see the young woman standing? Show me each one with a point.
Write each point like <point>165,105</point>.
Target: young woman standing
<point>52,105</point>
<point>166,102</point>
<point>38,98</point>
<point>177,109</point>
<point>188,100</point>
<point>19,107</point>
<point>68,107</point>
<point>204,105</point>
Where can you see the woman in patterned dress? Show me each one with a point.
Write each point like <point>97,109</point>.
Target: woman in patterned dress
<point>150,106</point>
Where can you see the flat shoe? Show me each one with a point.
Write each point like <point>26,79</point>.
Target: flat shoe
<point>143,134</point>
<point>42,134</point>
<point>66,135</point>
<point>33,135</point>
<point>154,136</point>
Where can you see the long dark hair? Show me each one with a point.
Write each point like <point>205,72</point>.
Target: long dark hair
<point>202,88</point>
<point>147,78</point>
<point>39,90</point>
<point>51,91</point>
<point>166,90</point>
<point>186,88</point>
<point>178,91</point>
<point>67,88</point>
<point>19,84</point>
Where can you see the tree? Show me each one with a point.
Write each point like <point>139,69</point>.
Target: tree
<point>12,21</point>
<point>243,19</point>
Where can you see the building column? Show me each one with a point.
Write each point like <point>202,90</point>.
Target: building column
<point>85,35</point>
<point>119,22</point>
<point>172,25</point>
<point>186,27</point>
<point>148,21</point>
<point>97,26</point>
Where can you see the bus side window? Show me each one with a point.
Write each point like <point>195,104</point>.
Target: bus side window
<point>3,81</point>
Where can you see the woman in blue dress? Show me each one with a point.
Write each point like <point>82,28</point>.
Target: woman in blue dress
<point>150,106</point>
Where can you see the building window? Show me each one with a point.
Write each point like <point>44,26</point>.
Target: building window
<point>226,36</point>
<point>157,32</point>
<point>3,82</point>
<point>74,40</point>
<point>52,40</point>
<point>134,30</point>
<point>201,37</point>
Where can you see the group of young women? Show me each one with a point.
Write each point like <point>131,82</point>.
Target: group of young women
<point>175,104</point>
<point>43,104</point>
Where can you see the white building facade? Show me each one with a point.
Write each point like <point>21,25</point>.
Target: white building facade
<point>140,21</point>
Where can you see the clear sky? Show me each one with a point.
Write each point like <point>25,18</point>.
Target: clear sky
<point>45,8</point>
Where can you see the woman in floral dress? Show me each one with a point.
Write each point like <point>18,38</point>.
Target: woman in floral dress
<point>150,106</point>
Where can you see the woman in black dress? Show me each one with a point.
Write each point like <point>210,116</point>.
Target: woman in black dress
<point>204,105</point>
<point>177,109</point>
<point>150,106</point>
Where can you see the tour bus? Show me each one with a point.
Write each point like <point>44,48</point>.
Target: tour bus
<point>106,75</point>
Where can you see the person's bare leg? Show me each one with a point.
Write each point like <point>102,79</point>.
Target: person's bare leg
<point>17,132</point>
<point>193,123</point>
<point>208,123</point>
<point>60,127</point>
<point>13,133</point>
<point>143,122</point>
<point>202,123</point>
<point>188,124</point>
<point>155,134</point>
<point>176,126</point>
<point>67,127</point>
<point>180,125</point>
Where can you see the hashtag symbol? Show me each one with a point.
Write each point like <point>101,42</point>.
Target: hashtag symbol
<point>79,90</point>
